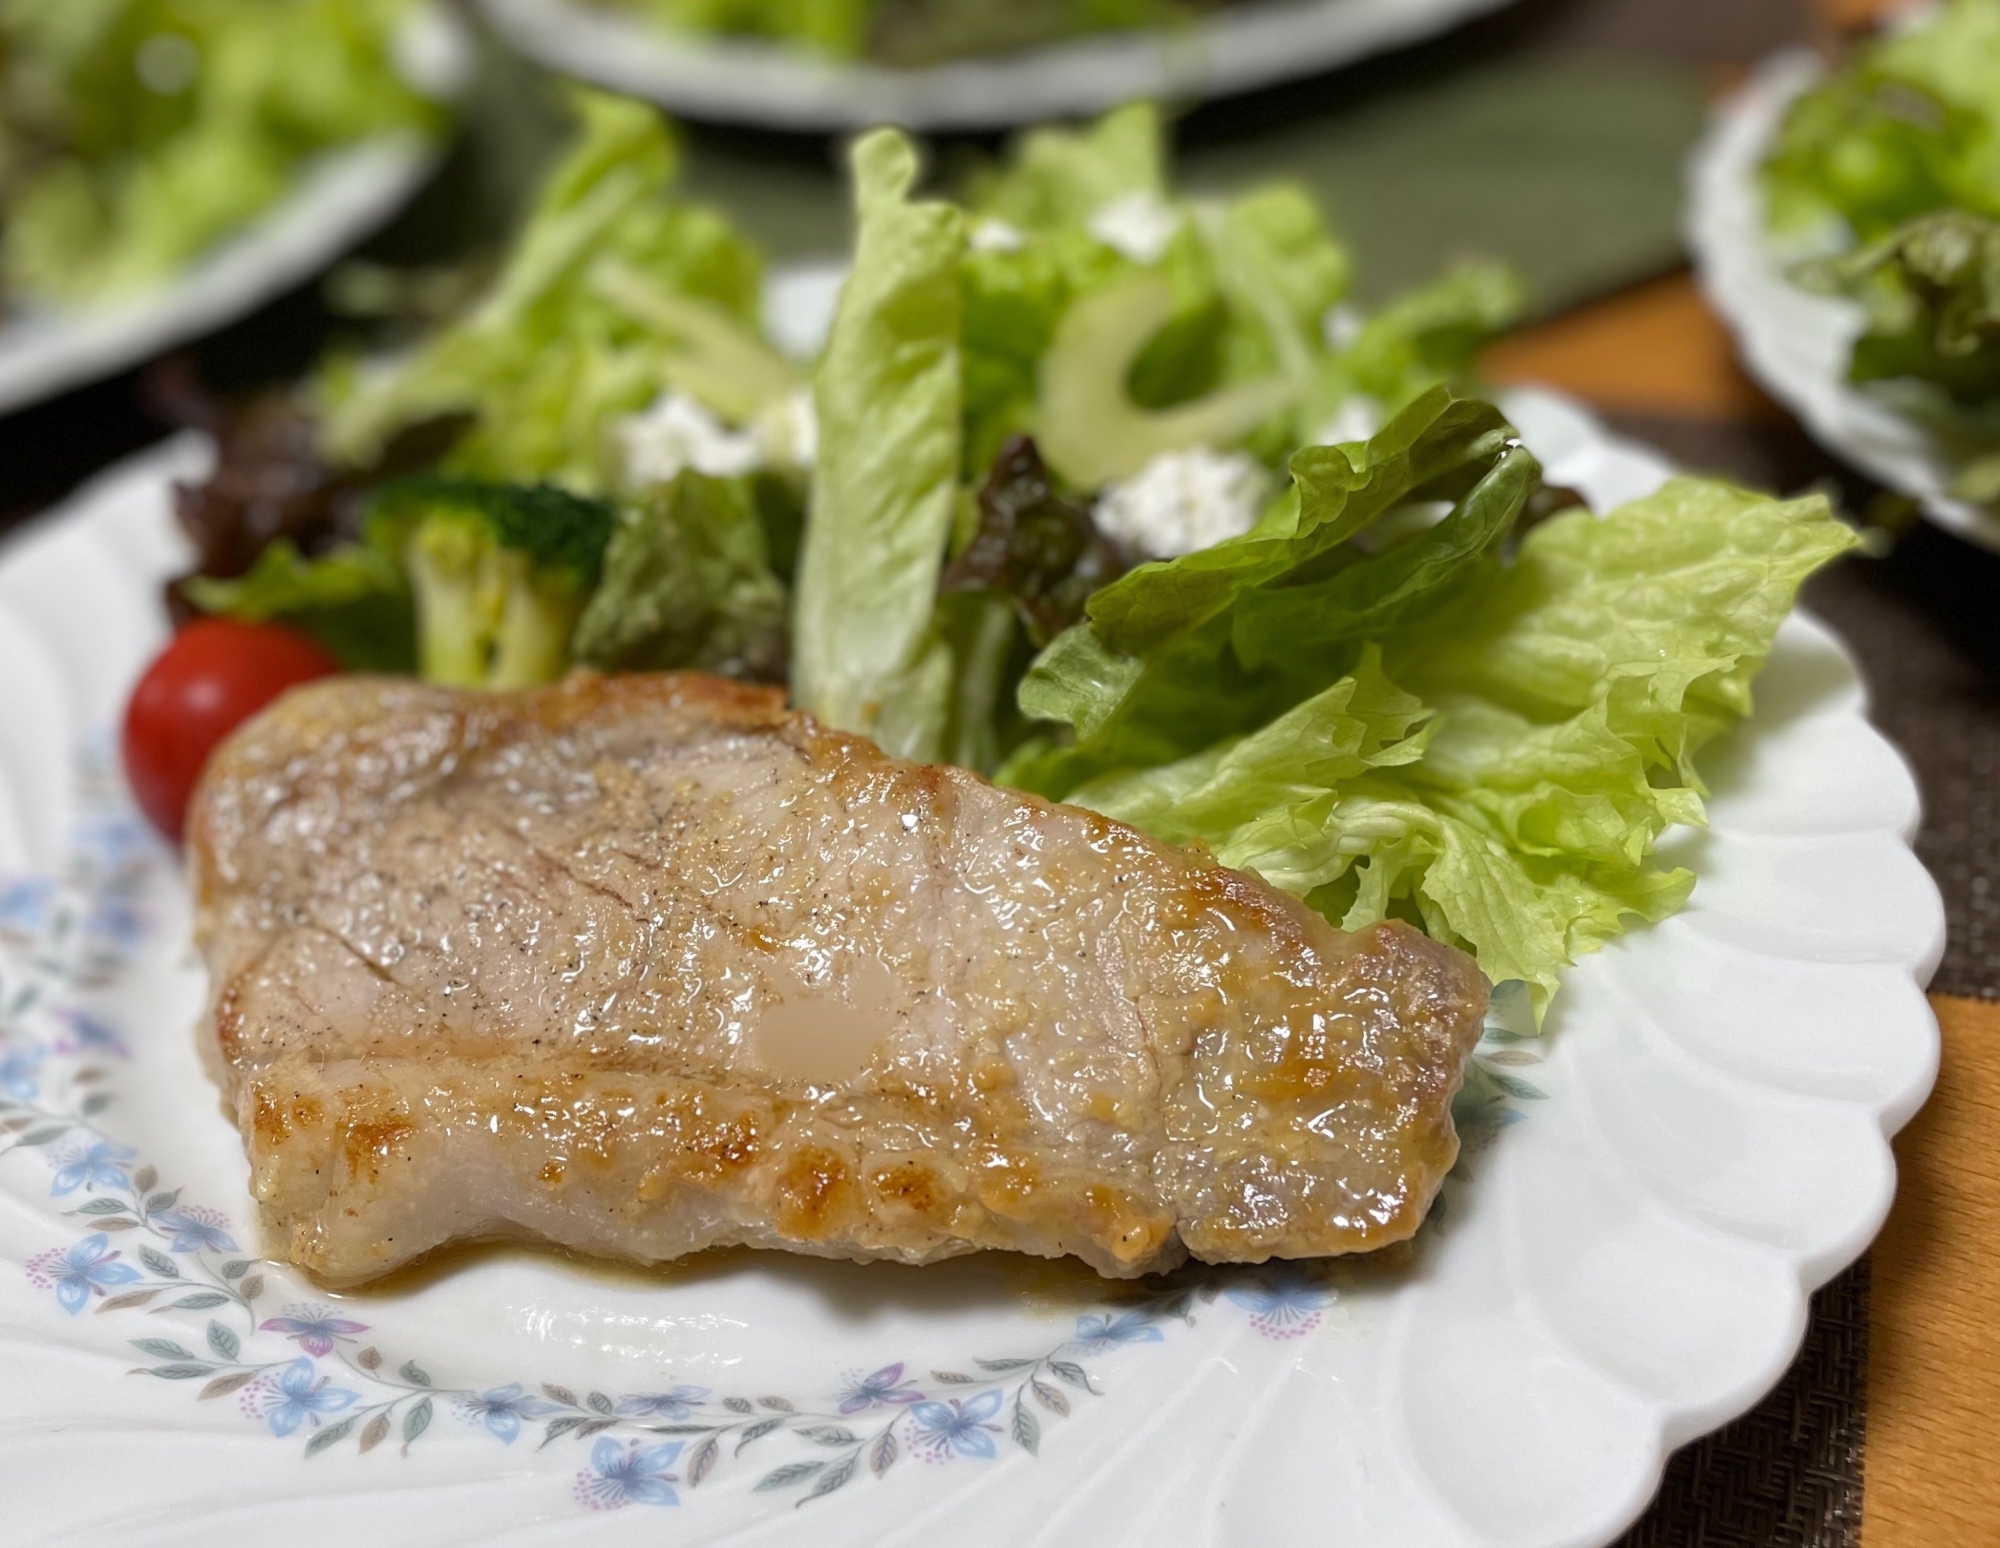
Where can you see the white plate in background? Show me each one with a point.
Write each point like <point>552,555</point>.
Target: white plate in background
<point>750,80</point>
<point>338,199</point>
<point>1795,343</point>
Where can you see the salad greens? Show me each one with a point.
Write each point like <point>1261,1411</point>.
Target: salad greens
<point>612,290</point>
<point>1359,693</point>
<point>868,656</point>
<point>1095,487</point>
<point>912,32</point>
<point>1113,320</point>
<point>1900,154</point>
<point>1037,548</point>
<point>575,509</point>
<point>1912,124</point>
<point>688,582</point>
<point>136,134</point>
<point>1175,655</point>
<point>355,600</point>
<point>1938,312</point>
<point>1499,764</point>
<point>1074,299</point>
<point>1501,769</point>
<point>1932,291</point>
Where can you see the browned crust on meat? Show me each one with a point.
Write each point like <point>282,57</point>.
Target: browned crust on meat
<point>1258,1020</point>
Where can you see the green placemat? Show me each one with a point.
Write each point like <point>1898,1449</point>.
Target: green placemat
<point>1568,167</point>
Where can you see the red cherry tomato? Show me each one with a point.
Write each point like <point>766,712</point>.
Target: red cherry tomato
<point>215,675</point>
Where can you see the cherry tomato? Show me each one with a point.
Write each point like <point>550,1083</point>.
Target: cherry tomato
<point>215,675</point>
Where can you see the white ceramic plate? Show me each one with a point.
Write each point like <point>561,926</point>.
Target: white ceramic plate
<point>1697,1142</point>
<point>1798,344</point>
<point>753,81</point>
<point>339,199</point>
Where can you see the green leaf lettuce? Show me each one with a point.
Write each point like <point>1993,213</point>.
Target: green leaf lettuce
<point>1910,125</point>
<point>558,348</point>
<point>1501,769</point>
<point>687,584</point>
<point>866,654</point>
<point>353,600</point>
<point>1176,655</point>
<point>144,132</point>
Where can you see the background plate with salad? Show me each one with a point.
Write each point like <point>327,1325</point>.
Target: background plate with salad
<point>165,166</point>
<point>1846,225</point>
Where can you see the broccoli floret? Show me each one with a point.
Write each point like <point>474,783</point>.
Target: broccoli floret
<point>500,573</point>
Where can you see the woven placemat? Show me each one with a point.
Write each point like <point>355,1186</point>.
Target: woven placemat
<point>1787,1474</point>
<point>1922,622</point>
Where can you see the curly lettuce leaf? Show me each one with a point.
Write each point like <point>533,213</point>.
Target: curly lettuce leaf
<point>556,350</point>
<point>868,656</point>
<point>1176,655</point>
<point>687,583</point>
<point>1662,612</point>
<point>1058,177</point>
<point>1259,801</point>
<point>1570,693</point>
<point>354,600</point>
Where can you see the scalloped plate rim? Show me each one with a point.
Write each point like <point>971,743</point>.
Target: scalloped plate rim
<point>1887,1110</point>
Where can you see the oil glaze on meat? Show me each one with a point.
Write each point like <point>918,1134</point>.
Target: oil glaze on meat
<point>642,965</point>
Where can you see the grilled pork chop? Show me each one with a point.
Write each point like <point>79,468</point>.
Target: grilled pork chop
<point>642,965</point>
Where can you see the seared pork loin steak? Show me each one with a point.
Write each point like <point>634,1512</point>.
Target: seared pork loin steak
<point>642,965</point>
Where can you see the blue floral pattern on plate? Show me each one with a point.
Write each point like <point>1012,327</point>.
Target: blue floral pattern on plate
<point>501,1410</point>
<point>296,1396</point>
<point>89,1268</point>
<point>628,1473</point>
<point>303,1371</point>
